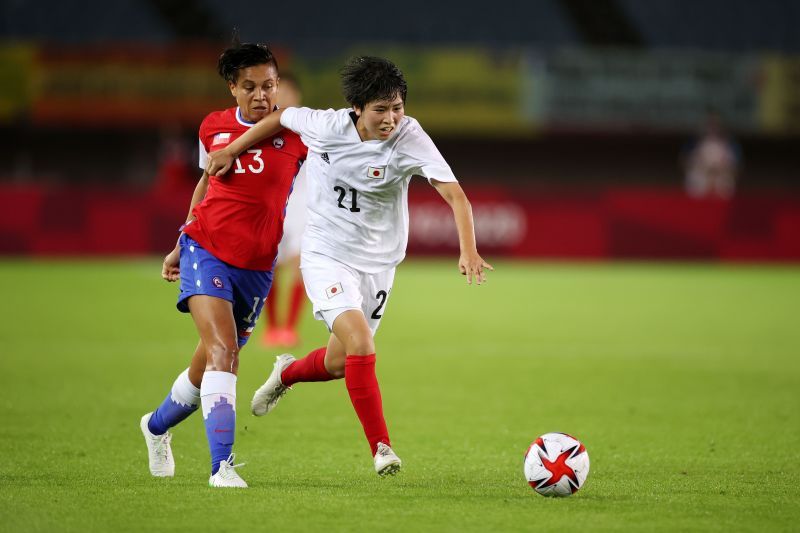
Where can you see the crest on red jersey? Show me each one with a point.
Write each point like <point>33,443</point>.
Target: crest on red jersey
<point>278,142</point>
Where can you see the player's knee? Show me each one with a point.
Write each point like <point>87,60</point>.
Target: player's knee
<point>222,356</point>
<point>360,345</point>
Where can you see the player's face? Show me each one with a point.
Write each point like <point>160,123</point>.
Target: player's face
<point>256,91</point>
<point>378,120</point>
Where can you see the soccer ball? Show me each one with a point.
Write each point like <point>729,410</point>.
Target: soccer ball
<point>556,464</point>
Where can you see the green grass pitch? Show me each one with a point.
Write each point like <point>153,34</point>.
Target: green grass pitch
<point>682,380</point>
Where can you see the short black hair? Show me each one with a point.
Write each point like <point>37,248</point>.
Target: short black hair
<point>241,56</point>
<point>368,79</point>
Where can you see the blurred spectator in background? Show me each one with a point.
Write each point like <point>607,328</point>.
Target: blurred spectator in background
<point>176,175</point>
<point>283,312</point>
<point>711,161</point>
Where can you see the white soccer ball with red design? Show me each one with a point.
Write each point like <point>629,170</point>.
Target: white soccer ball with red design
<point>556,464</point>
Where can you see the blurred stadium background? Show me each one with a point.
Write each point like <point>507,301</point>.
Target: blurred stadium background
<point>568,121</point>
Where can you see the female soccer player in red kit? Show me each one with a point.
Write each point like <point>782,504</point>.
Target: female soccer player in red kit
<point>224,260</point>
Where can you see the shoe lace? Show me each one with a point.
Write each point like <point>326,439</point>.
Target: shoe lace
<point>230,470</point>
<point>281,390</point>
<point>162,445</point>
<point>383,450</point>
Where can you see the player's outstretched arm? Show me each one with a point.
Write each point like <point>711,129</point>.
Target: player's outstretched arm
<point>470,263</point>
<point>220,161</point>
<point>170,269</point>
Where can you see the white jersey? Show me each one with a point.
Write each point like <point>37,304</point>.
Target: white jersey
<point>358,190</point>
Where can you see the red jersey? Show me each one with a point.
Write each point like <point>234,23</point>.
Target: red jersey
<point>240,220</point>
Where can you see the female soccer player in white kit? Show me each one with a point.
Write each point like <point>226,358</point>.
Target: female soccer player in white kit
<point>360,163</point>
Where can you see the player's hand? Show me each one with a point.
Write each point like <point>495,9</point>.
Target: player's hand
<point>170,270</point>
<point>472,265</point>
<point>219,162</point>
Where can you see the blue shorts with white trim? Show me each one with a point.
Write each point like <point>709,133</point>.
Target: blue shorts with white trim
<point>202,273</point>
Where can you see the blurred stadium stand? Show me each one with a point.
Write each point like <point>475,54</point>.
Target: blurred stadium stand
<point>315,27</point>
<point>719,25</point>
<point>84,22</point>
<point>326,25</point>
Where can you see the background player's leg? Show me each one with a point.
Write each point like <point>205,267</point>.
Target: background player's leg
<point>353,332</point>
<point>271,334</point>
<point>215,323</point>
<point>297,298</point>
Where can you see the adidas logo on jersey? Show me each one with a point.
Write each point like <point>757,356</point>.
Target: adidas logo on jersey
<point>325,157</point>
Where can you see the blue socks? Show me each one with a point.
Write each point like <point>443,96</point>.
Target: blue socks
<point>182,400</point>
<point>218,398</point>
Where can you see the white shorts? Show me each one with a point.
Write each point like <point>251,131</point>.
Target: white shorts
<point>296,218</point>
<point>334,288</point>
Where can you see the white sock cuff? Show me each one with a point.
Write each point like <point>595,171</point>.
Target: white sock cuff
<point>217,387</point>
<point>183,392</point>
<point>216,382</point>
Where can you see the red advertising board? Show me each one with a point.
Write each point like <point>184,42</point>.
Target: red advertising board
<point>616,223</point>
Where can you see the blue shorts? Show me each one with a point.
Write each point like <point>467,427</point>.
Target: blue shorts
<point>202,273</point>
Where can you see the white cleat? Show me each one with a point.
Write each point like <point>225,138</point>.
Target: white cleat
<point>386,461</point>
<point>266,397</point>
<point>227,476</point>
<point>159,451</point>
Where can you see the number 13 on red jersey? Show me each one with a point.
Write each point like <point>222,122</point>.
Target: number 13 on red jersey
<point>257,169</point>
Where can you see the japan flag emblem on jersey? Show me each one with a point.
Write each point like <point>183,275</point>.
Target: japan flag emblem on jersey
<point>334,290</point>
<point>375,173</point>
<point>221,138</point>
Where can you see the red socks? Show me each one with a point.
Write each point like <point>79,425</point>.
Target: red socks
<point>309,368</point>
<point>362,385</point>
<point>272,306</point>
<point>298,298</point>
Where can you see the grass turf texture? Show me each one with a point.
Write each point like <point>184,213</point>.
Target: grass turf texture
<point>682,381</point>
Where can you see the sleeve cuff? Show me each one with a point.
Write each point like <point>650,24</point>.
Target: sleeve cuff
<point>288,116</point>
